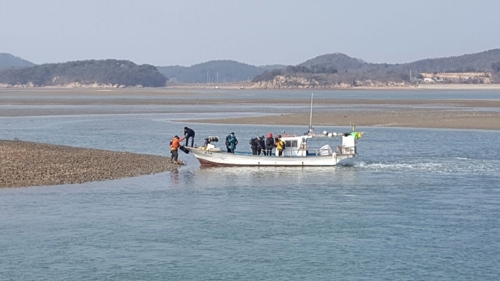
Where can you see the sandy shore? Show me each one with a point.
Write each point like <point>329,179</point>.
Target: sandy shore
<point>462,114</point>
<point>32,164</point>
<point>390,118</point>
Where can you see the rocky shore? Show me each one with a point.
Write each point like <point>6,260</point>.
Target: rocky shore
<point>32,164</point>
<point>294,82</point>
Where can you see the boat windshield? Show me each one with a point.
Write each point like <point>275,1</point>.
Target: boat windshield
<point>291,143</point>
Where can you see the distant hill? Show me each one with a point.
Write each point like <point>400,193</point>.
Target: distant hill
<point>482,61</point>
<point>87,72</point>
<point>227,71</point>
<point>470,62</point>
<point>171,71</point>
<point>340,69</point>
<point>338,61</point>
<point>10,61</point>
<point>273,66</point>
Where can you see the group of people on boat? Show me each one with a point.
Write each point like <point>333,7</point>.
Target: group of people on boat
<point>260,145</point>
<point>264,146</point>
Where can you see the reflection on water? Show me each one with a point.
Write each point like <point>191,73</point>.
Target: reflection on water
<point>273,176</point>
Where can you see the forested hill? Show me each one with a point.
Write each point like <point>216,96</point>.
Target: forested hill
<point>483,61</point>
<point>88,72</point>
<point>10,61</point>
<point>339,69</point>
<point>223,71</point>
<point>338,61</point>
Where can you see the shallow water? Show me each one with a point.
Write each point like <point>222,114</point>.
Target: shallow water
<point>416,204</point>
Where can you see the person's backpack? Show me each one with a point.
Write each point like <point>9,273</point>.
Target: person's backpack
<point>251,142</point>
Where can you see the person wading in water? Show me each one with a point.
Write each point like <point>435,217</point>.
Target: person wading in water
<point>174,148</point>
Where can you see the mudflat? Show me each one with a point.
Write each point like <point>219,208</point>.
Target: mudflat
<point>390,118</point>
<point>458,114</point>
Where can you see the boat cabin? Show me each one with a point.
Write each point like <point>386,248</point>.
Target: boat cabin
<point>296,146</point>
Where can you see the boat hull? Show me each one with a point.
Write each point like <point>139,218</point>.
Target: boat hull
<point>211,158</point>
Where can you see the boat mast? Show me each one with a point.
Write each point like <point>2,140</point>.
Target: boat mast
<point>311,114</point>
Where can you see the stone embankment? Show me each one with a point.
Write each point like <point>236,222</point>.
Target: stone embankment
<point>32,164</point>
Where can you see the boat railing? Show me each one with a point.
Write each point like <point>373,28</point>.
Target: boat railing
<point>323,151</point>
<point>327,151</point>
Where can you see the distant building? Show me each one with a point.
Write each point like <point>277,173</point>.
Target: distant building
<point>457,77</point>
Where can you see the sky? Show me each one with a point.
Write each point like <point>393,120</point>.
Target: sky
<point>256,32</point>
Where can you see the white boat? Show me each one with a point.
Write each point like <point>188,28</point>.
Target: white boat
<point>296,152</point>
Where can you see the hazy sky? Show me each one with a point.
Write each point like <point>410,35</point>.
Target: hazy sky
<point>258,32</point>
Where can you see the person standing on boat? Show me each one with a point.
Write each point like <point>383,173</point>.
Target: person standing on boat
<point>269,144</point>
<point>174,148</point>
<point>189,134</point>
<point>254,145</point>
<point>261,146</point>
<point>227,143</point>
<point>280,145</point>
<point>232,142</point>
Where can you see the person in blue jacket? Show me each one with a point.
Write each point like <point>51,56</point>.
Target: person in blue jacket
<point>232,142</point>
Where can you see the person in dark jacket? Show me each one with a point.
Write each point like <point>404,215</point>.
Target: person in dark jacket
<point>189,133</point>
<point>261,146</point>
<point>227,143</point>
<point>254,145</point>
<point>269,144</point>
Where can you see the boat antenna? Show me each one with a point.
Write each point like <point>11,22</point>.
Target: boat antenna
<point>311,114</point>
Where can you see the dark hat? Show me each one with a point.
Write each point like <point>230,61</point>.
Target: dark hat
<point>279,136</point>
<point>185,128</point>
<point>176,137</point>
